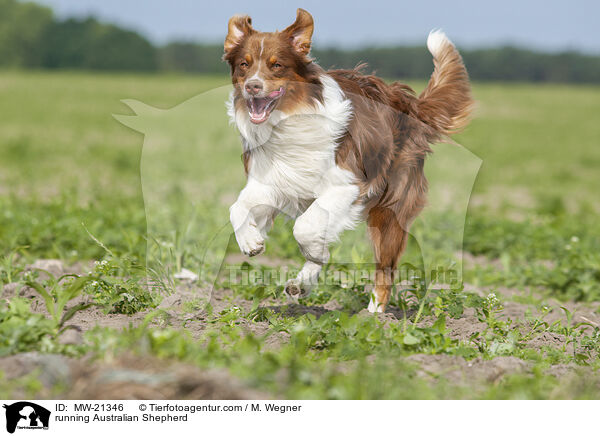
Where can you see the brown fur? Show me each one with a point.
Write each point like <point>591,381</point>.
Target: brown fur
<point>389,134</point>
<point>385,147</point>
<point>446,103</point>
<point>389,240</point>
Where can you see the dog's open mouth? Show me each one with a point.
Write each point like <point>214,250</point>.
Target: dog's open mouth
<point>260,108</point>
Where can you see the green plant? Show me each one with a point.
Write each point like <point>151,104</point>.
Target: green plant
<point>116,294</point>
<point>23,330</point>
<point>59,293</point>
<point>10,267</point>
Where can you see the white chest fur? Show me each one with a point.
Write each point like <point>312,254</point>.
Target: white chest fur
<point>294,155</point>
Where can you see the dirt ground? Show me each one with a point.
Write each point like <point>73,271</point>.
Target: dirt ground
<point>134,378</point>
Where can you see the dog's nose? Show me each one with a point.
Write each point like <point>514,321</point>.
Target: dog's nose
<point>253,87</point>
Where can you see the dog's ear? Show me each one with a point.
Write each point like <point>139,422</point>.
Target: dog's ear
<point>300,33</point>
<point>239,27</point>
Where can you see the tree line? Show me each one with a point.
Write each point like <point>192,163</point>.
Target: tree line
<point>31,37</point>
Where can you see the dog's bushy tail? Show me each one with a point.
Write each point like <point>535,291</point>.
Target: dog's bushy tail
<point>446,103</point>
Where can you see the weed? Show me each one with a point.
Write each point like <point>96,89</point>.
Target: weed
<point>60,292</point>
<point>116,294</point>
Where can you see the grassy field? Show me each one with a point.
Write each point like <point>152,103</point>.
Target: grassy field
<point>119,213</point>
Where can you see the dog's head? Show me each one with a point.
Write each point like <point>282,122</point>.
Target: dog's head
<point>271,69</point>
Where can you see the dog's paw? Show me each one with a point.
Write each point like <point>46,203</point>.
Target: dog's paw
<point>250,241</point>
<point>294,289</point>
<point>375,307</point>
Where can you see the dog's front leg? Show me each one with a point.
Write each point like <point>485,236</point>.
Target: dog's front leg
<point>252,216</point>
<point>320,225</point>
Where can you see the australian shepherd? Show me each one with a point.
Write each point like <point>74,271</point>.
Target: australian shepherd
<point>331,148</point>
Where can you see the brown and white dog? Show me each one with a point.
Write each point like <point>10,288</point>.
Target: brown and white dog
<point>331,148</point>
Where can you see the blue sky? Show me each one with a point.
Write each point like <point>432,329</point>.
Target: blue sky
<point>549,25</point>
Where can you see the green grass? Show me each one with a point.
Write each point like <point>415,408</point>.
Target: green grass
<point>70,188</point>
<point>537,142</point>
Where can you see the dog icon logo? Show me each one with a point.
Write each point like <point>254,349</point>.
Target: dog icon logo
<point>26,415</point>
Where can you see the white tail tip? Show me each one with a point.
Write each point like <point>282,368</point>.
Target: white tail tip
<point>436,41</point>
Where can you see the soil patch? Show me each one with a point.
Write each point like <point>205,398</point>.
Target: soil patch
<point>126,377</point>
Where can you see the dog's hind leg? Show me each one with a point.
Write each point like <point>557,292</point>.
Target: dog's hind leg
<point>389,240</point>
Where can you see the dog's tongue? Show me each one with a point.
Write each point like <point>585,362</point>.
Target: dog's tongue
<point>276,93</point>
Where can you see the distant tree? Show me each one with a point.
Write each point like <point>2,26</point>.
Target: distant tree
<point>22,26</point>
<point>515,64</point>
<point>399,62</point>
<point>190,57</point>
<point>505,63</point>
<point>88,44</point>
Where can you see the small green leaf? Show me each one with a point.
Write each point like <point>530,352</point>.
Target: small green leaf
<point>72,311</point>
<point>410,339</point>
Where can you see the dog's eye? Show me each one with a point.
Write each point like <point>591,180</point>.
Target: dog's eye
<point>244,64</point>
<point>277,65</point>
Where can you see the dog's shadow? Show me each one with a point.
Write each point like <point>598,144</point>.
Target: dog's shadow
<point>296,310</point>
